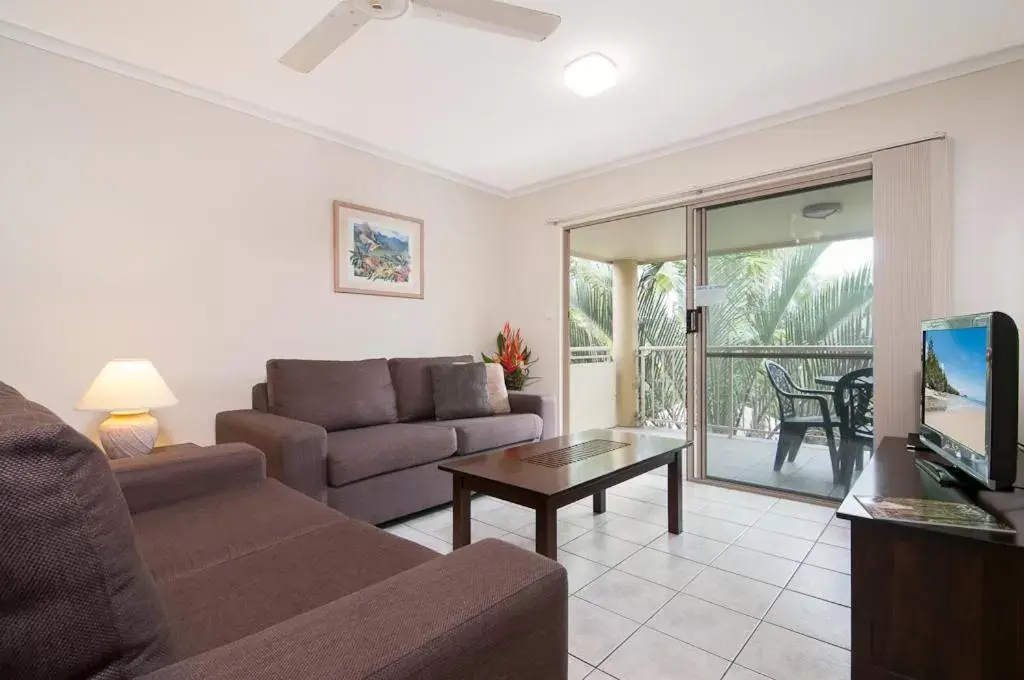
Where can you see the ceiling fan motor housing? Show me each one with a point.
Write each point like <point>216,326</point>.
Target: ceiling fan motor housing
<point>381,9</point>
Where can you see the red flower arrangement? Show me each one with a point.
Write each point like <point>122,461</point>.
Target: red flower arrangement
<point>514,356</point>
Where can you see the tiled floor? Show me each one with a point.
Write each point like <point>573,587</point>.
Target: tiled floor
<point>753,588</point>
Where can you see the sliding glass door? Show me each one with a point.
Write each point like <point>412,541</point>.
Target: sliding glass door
<point>789,280</point>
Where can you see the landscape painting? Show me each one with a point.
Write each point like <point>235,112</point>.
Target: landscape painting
<point>956,384</point>
<point>377,252</point>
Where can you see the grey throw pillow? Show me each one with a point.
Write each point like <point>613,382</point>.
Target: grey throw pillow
<point>460,391</point>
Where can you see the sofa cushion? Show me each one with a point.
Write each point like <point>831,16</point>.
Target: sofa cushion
<point>491,432</point>
<point>460,391</point>
<point>185,537</point>
<point>77,600</point>
<point>233,599</point>
<point>332,394</point>
<point>369,451</point>
<point>414,391</point>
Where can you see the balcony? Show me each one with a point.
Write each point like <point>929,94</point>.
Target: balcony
<point>742,410</point>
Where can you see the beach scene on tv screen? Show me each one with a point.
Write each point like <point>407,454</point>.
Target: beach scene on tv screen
<point>955,384</point>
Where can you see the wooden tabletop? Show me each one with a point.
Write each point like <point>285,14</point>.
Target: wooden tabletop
<point>507,465</point>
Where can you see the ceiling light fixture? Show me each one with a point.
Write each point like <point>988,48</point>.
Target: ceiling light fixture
<point>821,211</point>
<point>591,74</point>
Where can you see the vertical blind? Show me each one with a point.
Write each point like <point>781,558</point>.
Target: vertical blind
<point>913,273</point>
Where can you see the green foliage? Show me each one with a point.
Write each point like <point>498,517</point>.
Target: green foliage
<point>934,375</point>
<point>774,298</point>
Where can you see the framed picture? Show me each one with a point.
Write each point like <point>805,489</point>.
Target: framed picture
<point>377,252</point>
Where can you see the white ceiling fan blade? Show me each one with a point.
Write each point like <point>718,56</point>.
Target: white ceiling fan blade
<point>338,26</point>
<point>490,15</point>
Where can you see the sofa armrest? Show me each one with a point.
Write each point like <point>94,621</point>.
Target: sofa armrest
<point>181,472</point>
<point>489,610</point>
<point>543,406</point>
<point>296,451</point>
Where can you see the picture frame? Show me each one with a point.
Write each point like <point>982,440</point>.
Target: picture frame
<point>377,252</point>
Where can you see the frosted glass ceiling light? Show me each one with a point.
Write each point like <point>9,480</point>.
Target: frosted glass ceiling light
<point>591,74</point>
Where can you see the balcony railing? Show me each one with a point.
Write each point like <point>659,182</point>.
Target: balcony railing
<point>740,399</point>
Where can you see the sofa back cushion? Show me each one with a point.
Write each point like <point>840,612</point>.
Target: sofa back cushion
<point>76,598</point>
<point>336,395</point>
<point>414,391</point>
<point>460,391</point>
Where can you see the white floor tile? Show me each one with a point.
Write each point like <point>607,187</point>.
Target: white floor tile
<point>508,518</point>
<point>594,632</point>
<point>740,673</point>
<point>565,531</point>
<point>837,522</point>
<point>708,527</point>
<point>637,493</point>
<point>730,513</point>
<point>583,516</point>
<point>601,548</point>
<point>578,669</point>
<point>423,539</point>
<point>645,512</point>
<point>791,526</point>
<point>824,584</point>
<point>829,557</point>
<point>651,480</point>
<point>432,520</point>
<point>690,546</point>
<point>768,568</point>
<point>632,530</point>
<point>771,543</point>
<point>481,503</point>
<point>477,531</point>
<point>738,593</point>
<point>815,513</point>
<point>581,570</point>
<point>661,567</point>
<point>524,543</point>
<point>815,618</point>
<point>836,535</point>
<point>626,595</point>
<point>713,628</point>
<point>785,655</point>
<point>754,501</point>
<point>600,675</point>
<point>650,655</point>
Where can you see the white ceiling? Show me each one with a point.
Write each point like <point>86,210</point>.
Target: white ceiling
<point>775,221</point>
<point>492,110</point>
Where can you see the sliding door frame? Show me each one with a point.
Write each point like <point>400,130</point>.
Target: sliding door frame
<point>697,234</point>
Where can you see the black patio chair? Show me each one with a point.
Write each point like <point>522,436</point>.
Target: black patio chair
<point>793,426</point>
<point>854,401</point>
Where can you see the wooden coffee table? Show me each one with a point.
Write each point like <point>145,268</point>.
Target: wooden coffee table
<point>551,474</point>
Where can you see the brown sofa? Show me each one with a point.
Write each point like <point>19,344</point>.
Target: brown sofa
<point>362,437</point>
<point>190,564</point>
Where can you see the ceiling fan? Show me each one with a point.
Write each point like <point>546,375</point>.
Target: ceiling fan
<point>350,15</point>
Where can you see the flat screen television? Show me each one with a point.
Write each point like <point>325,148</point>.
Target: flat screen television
<point>969,395</point>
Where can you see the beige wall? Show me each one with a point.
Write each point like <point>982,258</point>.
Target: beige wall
<point>139,222</point>
<point>981,113</point>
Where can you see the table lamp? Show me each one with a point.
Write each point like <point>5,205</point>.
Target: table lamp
<point>127,388</point>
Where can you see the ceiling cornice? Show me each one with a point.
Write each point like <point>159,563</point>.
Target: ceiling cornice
<point>955,70</point>
<point>49,43</point>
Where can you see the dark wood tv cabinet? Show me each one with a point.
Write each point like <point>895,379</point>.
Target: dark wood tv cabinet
<point>933,603</point>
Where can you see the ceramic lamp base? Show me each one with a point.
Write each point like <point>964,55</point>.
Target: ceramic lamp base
<point>126,435</point>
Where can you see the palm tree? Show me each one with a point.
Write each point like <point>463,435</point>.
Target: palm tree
<point>775,297</point>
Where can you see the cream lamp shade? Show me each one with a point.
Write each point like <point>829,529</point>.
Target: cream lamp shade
<point>127,388</point>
